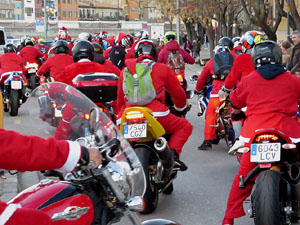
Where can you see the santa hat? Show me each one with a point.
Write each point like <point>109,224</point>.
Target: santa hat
<point>63,28</point>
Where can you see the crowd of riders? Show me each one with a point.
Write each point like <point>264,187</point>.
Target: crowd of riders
<point>247,70</point>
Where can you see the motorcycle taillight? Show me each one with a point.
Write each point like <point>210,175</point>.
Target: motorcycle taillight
<point>134,117</point>
<point>180,78</point>
<point>266,137</point>
<point>16,78</point>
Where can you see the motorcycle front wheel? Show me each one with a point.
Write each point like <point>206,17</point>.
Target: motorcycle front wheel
<point>151,194</point>
<point>14,102</point>
<point>269,199</point>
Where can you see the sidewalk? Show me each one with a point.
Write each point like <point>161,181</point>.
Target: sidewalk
<point>8,187</point>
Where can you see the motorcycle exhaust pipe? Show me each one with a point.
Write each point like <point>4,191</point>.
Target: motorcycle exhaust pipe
<point>164,153</point>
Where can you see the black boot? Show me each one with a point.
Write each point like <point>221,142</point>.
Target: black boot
<point>178,163</point>
<point>206,145</point>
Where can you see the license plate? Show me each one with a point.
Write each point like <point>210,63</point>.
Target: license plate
<point>58,113</point>
<point>135,130</point>
<point>31,70</point>
<point>264,153</point>
<point>16,84</point>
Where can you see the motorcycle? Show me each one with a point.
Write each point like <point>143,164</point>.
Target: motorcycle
<point>275,195</point>
<point>146,136</point>
<point>86,196</point>
<point>101,88</point>
<point>31,69</point>
<point>14,93</point>
<point>224,129</point>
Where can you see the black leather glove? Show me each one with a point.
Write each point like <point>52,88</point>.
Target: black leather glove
<point>199,92</point>
<point>239,116</point>
<point>181,113</point>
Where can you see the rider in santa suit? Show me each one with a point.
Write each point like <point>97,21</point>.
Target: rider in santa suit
<point>163,78</point>
<point>271,96</point>
<point>83,57</point>
<point>36,153</point>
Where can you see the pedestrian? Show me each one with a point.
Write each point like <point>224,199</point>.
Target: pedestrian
<point>196,48</point>
<point>188,47</point>
<point>293,64</point>
<point>286,51</point>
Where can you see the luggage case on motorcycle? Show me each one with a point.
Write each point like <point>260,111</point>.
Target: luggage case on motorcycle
<point>99,87</point>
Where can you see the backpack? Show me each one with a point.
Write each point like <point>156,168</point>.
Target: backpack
<point>138,87</point>
<point>222,64</point>
<point>175,62</point>
<point>117,56</point>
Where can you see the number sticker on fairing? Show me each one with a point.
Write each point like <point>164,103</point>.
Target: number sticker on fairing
<point>135,130</point>
<point>264,153</point>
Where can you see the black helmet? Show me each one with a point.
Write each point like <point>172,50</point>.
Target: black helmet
<point>266,52</point>
<point>10,48</point>
<point>226,41</point>
<point>83,50</point>
<point>98,48</point>
<point>145,47</point>
<point>61,47</point>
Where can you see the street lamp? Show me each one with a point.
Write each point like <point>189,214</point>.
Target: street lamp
<point>288,20</point>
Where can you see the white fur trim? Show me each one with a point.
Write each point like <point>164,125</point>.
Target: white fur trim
<point>84,60</point>
<point>214,96</point>
<point>73,157</point>
<point>118,121</point>
<point>244,139</point>
<point>160,114</point>
<point>180,109</point>
<point>8,212</point>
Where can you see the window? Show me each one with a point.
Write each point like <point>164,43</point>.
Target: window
<point>69,1</point>
<point>64,13</point>
<point>110,14</point>
<point>75,13</point>
<point>70,13</point>
<point>58,1</point>
<point>102,14</point>
<point>64,1</point>
<point>28,11</point>
<point>133,9</point>
<point>18,5</point>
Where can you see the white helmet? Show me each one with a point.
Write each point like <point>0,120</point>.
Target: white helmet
<point>142,35</point>
<point>84,36</point>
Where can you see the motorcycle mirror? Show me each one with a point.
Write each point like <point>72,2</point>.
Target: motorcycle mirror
<point>94,119</point>
<point>194,77</point>
<point>189,94</point>
<point>136,204</point>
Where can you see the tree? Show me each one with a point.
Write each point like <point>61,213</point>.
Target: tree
<point>257,11</point>
<point>294,15</point>
<point>168,9</point>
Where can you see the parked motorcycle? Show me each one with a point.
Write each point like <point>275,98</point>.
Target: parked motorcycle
<point>31,69</point>
<point>86,196</point>
<point>275,195</point>
<point>14,93</point>
<point>101,88</point>
<point>145,134</point>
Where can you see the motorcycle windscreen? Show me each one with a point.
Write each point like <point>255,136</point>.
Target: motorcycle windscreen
<point>59,110</point>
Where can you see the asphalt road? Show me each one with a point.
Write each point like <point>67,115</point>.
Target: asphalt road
<point>200,194</point>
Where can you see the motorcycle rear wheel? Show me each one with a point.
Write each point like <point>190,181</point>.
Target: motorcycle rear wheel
<point>32,81</point>
<point>269,201</point>
<point>14,102</point>
<point>151,194</point>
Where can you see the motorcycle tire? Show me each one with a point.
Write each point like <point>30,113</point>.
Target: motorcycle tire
<point>169,190</point>
<point>151,194</point>
<point>32,82</point>
<point>268,202</point>
<point>14,102</point>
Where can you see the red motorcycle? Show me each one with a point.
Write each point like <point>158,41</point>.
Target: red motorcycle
<point>31,69</point>
<point>101,88</point>
<point>86,196</point>
<point>276,194</point>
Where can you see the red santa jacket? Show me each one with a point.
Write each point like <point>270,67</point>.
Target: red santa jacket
<point>207,72</point>
<point>10,62</point>
<point>162,77</point>
<point>174,46</point>
<point>33,154</point>
<point>55,65</point>
<point>30,53</point>
<point>110,66</point>
<point>242,66</point>
<point>271,103</point>
<point>71,71</point>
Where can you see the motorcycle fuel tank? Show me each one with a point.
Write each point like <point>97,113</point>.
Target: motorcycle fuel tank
<point>59,200</point>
